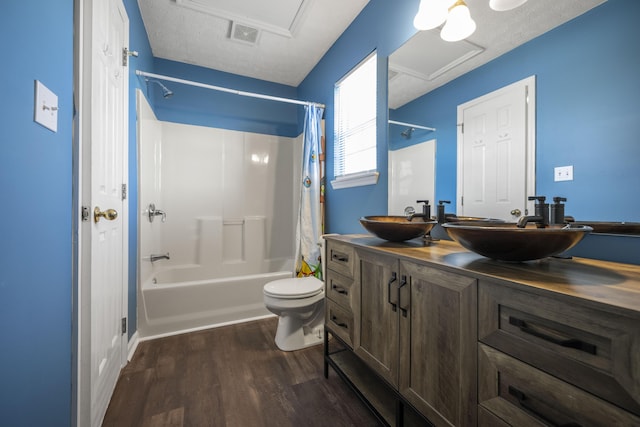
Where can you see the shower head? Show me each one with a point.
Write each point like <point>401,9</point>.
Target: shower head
<point>407,133</point>
<point>166,93</point>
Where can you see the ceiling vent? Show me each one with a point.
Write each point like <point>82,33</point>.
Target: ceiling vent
<point>244,33</point>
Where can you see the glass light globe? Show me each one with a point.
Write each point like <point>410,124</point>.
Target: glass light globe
<point>431,13</point>
<point>502,5</point>
<point>459,24</point>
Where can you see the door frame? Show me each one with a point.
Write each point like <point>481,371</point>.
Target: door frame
<point>81,410</point>
<point>529,85</point>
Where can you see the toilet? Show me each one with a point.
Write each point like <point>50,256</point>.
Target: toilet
<point>299,303</point>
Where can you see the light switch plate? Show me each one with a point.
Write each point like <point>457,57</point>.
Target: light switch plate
<point>563,173</point>
<point>46,107</point>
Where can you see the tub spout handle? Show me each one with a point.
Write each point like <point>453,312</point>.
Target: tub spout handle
<point>153,212</point>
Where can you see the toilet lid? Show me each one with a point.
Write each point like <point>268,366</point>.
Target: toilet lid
<point>299,287</point>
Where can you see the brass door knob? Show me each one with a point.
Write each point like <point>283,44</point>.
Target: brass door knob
<point>109,214</point>
<point>516,212</point>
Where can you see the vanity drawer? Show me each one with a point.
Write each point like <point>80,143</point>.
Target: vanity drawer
<point>340,258</point>
<point>521,395</point>
<point>592,349</point>
<point>339,289</point>
<point>340,321</point>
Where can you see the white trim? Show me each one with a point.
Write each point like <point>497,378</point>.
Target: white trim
<point>529,83</point>
<point>355,180</point>
<point>132,345</point>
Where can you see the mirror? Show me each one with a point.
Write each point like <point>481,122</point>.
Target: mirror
<point>561,127</point>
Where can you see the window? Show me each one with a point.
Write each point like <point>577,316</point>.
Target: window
<point>355,126</point>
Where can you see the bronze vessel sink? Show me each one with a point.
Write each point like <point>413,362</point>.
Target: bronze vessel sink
<point>507,242</point>
<point>396,228</point>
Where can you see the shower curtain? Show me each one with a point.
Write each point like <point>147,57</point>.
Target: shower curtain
<point>309,227</point>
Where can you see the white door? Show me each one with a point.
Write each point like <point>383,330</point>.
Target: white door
<point>496,153</point>
<point>104,166</point>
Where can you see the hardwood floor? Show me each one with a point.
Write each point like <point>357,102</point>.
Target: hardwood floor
<point>233,376</point>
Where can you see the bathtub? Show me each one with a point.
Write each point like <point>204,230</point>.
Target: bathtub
<point>173,302</point>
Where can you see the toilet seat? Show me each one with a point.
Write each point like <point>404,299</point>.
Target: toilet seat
<point>294,288</point>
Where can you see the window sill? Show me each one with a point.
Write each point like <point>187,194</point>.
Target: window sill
<point>355,180</point>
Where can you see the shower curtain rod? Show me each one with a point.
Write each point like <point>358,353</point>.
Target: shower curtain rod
<point>393,122</point>
<point>224,89</point>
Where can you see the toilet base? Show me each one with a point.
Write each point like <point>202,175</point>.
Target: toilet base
<point>291,336</point>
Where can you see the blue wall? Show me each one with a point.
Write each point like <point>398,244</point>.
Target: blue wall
<point>36,218</point>
<point>383,26</point>
<point>204,107</point>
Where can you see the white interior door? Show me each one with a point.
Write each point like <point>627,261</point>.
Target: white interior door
<point>103,255</point>
<point>108,149</point>
<point>496,153</point>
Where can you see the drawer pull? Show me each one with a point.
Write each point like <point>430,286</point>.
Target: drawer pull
<point>566,342</point>
<point>394,304</point>
<point>524,402</point>
<point>339,289</point>
<point>336,256</point>
<point>334,319</point>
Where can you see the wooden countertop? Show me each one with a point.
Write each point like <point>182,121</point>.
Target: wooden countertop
<point>608,285</point>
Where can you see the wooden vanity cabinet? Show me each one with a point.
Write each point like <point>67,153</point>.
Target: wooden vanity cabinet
<point>438,336</point>
<point>556,359</point>
<point>377,344</point>
<point>418,331</point>
<point>438,344</point>
<point>340,293</point>
<point>596,350</point>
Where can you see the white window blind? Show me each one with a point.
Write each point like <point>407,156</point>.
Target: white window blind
<point>355,122</point>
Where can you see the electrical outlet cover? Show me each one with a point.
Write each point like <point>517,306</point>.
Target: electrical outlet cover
<point>563,173</point>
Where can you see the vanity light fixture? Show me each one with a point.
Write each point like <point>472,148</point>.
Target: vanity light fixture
<point>459,24</point>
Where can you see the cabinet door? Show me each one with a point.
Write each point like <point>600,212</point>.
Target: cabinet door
<point>438,339</point>
<point>376,313</point>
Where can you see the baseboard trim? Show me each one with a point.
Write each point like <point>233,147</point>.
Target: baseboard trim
<point>132,346</point>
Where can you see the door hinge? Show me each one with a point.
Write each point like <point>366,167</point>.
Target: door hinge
<point>124,325</point>
<point>126,53</point>
<point>85,213</point>
<point>124,191</point>
<point>461,125</point>
<point>461,200</point>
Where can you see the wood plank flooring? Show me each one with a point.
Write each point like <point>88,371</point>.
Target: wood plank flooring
<point>233,376</point>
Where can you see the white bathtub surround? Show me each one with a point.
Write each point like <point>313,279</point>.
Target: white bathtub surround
<point>230,200</point>
<point>185,306</point>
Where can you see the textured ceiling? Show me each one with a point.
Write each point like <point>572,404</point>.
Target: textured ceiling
<point>415,68</point>
<point>292,36</point>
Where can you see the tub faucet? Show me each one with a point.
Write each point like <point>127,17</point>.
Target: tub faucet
<point>156,257</point>
<point>426,211</point>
